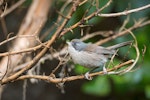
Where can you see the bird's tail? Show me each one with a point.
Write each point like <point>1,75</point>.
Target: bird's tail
<point>120,45</point>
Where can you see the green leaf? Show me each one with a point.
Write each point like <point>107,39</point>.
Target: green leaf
<point>80,69</point>
<point>99,87</point>
<point>147,91</point>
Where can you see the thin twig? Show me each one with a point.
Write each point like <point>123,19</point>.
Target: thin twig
<point>24,50</point>
<point>12,8</point>
<point>71,78</point>
<point>137,54</point>
<point>18,36</point>
<point>85,19</point>
<point>138,24</point>
<point>37,58</point>
<point>125,12</point>
<point>63,8</point>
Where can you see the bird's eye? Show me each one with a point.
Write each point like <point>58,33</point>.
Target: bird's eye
<point>75,45</point>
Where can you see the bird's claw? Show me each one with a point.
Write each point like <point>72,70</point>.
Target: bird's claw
<point>105,70</point>
<point>86,75</point>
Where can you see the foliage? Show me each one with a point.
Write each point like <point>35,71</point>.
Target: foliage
<point>133,82</point>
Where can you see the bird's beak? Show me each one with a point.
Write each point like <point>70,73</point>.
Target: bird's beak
<point>68,43</point>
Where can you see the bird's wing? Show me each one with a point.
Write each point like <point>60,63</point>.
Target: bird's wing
<point>98,49</point>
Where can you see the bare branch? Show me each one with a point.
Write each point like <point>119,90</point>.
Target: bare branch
<point>32,24</point>
<point>138,24</point>
<point>61,31</point>
<point>85,19</point>
<point>36,59</point>
<point>6,12</point>
<point>126,12</point>
<point>71,78</point>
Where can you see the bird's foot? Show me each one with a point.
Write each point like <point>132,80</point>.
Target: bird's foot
<point>86,75</point>
<point>105,70</point>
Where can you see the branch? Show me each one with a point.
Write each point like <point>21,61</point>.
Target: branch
<point>138,24</point>
<point>126,12</point>
<point>61,30</point>
<point>71,78</point>
<point>24,50</point>
<point>12,8</point>
<point>85,19</point>
<point>32,24</point>
<point>37,58</point>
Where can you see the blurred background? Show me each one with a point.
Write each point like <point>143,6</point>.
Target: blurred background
<point>134,85</point>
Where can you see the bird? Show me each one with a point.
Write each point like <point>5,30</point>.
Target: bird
<point>91,55</point>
